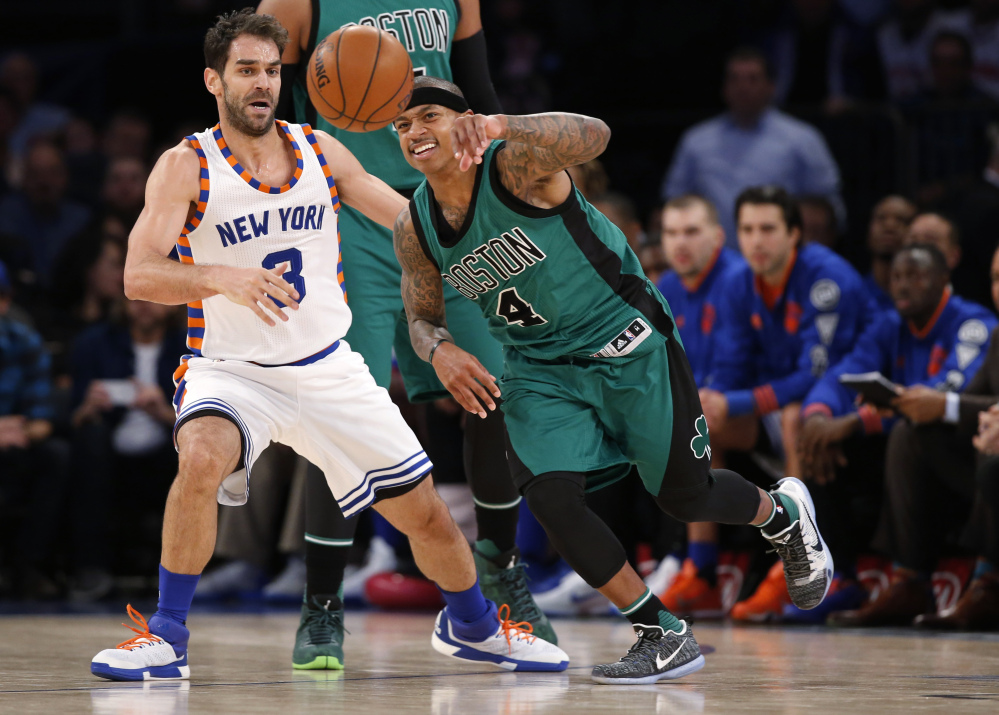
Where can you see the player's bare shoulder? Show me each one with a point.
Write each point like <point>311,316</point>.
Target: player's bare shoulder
<point>176,175</point>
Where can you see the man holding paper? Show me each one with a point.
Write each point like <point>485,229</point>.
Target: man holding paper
<point>929,347</point>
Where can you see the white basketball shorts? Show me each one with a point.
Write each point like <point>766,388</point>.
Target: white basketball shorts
<point>331,412</point>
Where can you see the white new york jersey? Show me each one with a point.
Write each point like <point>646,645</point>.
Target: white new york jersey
<point>241,222</point>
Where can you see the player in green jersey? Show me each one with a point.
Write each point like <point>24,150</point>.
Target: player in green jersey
<point>595,379</point>
<point>439,35</point>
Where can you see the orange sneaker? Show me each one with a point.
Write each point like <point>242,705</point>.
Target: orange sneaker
<point>767,603</point>
<point>691,595</point>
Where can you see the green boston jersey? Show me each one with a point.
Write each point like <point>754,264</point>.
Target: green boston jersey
<point>425,28</point>
<point>559,282</point>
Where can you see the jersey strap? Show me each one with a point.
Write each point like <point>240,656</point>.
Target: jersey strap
<point>195,311</point>
<point>334,196</point>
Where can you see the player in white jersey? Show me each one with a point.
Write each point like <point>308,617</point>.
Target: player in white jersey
<point>255,204</point>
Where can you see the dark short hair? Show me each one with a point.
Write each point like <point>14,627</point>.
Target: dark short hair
<point>687,201</point>
<point>748,53</point>
<point>771,196</point>
<point>231,25</point>
<point>937,257</point>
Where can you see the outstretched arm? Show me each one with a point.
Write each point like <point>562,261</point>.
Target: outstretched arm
<point>539,146</point>
<point>423,295</point>
<point>357,188</point>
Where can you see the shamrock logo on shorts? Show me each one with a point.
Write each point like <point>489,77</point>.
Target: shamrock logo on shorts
<point>701,445</point>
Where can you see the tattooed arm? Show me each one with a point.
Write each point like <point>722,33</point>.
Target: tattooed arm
<point>423,295</point>
<point>422,289</point>
<point>539,149</point>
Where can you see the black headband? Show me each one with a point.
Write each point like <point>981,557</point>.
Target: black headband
<point>438,95</point>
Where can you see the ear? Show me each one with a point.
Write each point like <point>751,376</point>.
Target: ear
<point>213,82</point>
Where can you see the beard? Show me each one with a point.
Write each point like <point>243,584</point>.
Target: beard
<point>236,116</point>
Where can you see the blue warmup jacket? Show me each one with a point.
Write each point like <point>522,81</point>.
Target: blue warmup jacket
<point>945,354</point>
<point>767,356</point>
<point>695,312</point>
<point>881,299</point>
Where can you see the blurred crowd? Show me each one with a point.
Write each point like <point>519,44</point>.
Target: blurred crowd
<point>818,270</point>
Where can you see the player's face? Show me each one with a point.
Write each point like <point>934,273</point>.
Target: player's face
<point>889,224</point>
<point>249,87</point>
<point>425,137</point>
<point>765,240</point>
<point>916,286</point>
<point>690,239</point>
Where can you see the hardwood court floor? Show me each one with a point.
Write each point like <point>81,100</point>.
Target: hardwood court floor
<point>241,664</point>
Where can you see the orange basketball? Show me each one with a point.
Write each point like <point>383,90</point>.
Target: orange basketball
<point>360,78</point>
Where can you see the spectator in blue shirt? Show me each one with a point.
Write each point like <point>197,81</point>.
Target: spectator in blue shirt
<point>694,245</point>
<point>886,234</point>
<point>749,145</point>
<point>930,346</point>
<point>33,464</point>
<point>785,314</point>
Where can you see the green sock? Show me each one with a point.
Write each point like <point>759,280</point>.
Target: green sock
<point>648,610</point>
<point>487,548</point>
<point>785,513</point>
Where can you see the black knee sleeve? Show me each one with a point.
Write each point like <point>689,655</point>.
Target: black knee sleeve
<point>725,498</point>
<point>557,500</point>
<point>485,460</point>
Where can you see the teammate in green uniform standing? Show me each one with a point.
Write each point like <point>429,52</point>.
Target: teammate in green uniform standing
<point>444,38</point>
<point>595,378</point>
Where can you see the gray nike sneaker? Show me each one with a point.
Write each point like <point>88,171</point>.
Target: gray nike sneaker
<point>808,565</point>
<point>658,655</point>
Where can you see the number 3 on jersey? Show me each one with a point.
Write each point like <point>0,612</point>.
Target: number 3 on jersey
<point>293,257</point>
<point>516,310</point>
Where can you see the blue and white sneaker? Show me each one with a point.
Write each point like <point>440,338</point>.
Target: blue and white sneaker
<point>511,647</point>
<point>146,656</point>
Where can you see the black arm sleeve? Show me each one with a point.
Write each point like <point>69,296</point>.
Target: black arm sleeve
<point>285,106</point>
<point>470,69</point>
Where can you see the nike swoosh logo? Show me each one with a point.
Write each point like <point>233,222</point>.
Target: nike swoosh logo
<point>660,663</point>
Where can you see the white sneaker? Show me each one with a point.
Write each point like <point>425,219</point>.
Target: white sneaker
<point>808,565</point>
<point>572,597</point>
<point>229,580</point>
<point>146,656</point>
<point>381,558</point>
<point>664,575</point>
<point>289,584</point>
<point>510,647</point>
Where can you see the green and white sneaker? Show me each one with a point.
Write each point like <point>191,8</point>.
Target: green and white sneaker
<point>319,640</point>
<point>504,580</point>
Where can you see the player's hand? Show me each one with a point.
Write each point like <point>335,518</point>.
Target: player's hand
<point>471,135</point>
<point>466,379</point>
<point>254,288</point>
<point>921,404</point>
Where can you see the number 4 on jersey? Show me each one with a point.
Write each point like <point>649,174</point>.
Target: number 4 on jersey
<point>516,310</point>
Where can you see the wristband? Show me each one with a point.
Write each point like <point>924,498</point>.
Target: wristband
<point>430,358</point>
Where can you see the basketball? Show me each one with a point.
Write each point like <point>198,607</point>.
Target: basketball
<point>360,78</point>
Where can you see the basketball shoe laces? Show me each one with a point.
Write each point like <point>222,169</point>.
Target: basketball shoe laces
<point>143,638</point>
<point>323,624</point>
<point>515,581</point>
<point>792,551</point>
<point>644,649</point>
<point>512,630</point>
